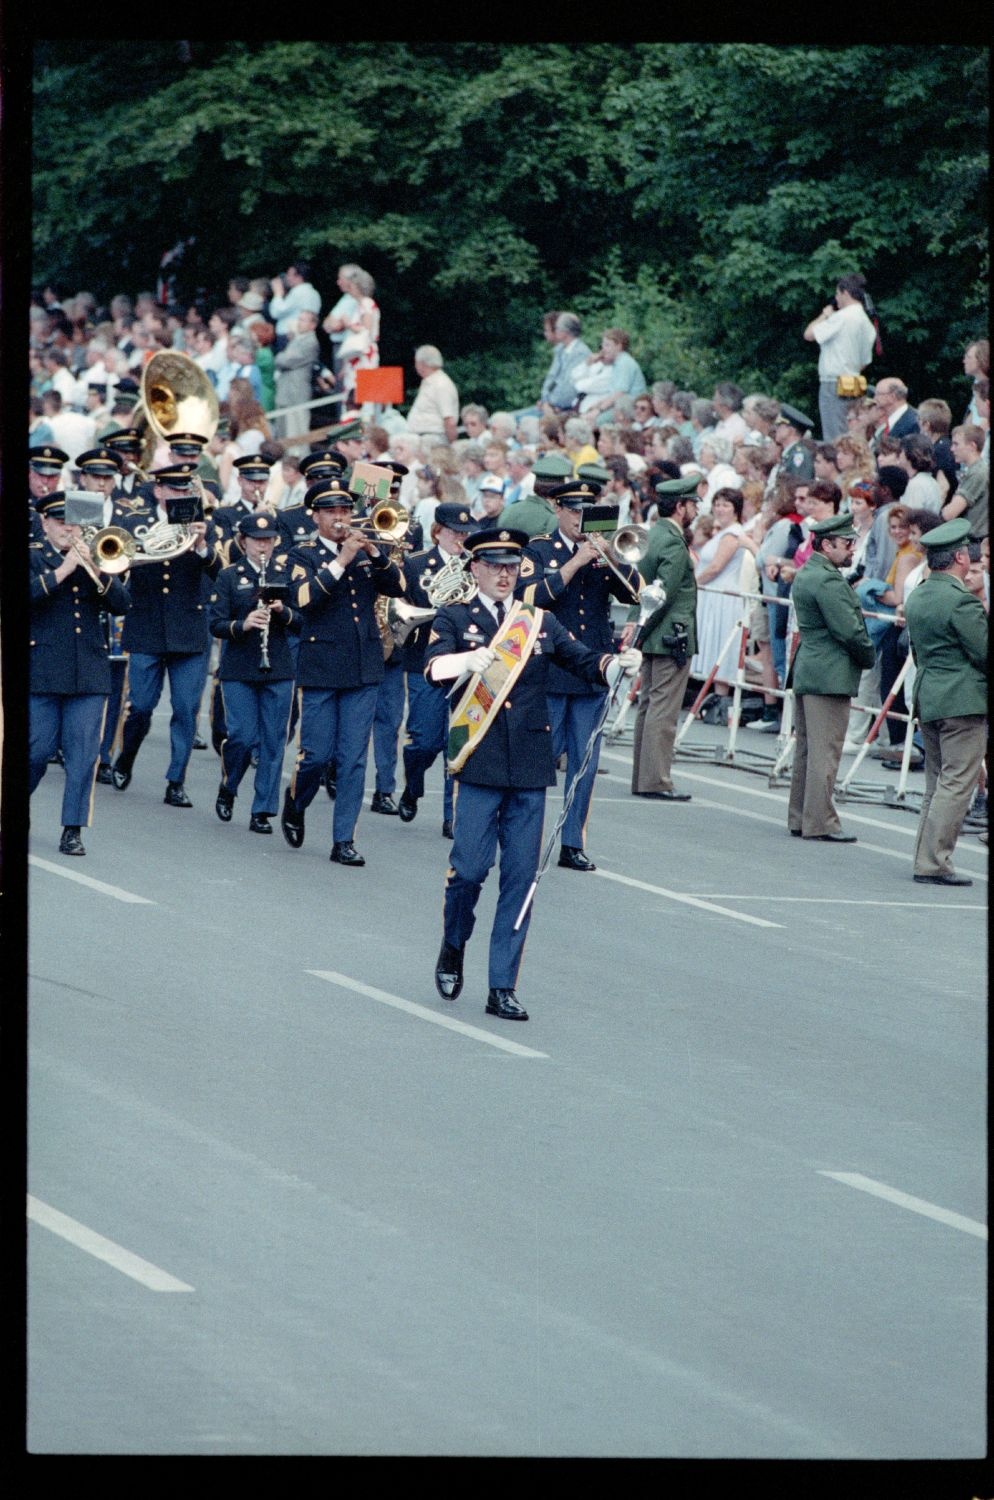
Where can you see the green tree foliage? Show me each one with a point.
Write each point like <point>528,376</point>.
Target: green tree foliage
<point>703,196</point>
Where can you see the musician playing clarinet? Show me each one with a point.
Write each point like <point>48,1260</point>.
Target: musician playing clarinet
<point>502,782</point>
<point>250,613</point>
<point>70,675</point>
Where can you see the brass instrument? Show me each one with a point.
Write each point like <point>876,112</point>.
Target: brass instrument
<point>175,396</point>
<point>452,584</point>
<point>89,566</point>
<point>628,544</point>
<point>112,549</point>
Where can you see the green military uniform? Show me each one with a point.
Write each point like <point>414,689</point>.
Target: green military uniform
<point>834,649</point>
<point>663,680</point>
<point>532,514</point>
<point>947,627</point>
<point>797,460</point>
<point>535,514</point>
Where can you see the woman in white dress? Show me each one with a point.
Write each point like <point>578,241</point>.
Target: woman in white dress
<point>360,348</point>
<point>720,567</point>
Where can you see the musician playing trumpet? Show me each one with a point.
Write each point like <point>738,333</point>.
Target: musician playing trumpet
<point>566,573</point>
<point>428,706</point>
<point>100,472</point>
<point>70,677</point>
<point>251,616</point>
<point>336,577</point>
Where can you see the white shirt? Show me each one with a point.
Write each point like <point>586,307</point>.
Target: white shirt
<point>733,427</point>
<point>300,298</point>
<point>923,493</point>
<point>846,341</point>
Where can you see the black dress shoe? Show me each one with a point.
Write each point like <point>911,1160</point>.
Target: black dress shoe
<point>224,804</point>
<point>949,878</point>
<point>345,854</point>
<point>448,972</point>
<point>259,823</point>
<point>70,842</point>
<point>383,803</point>
<point>176,795</point>
<point>447,830</point>
<point>829,838</point>
<point>120,774</point>
<point>504,1003</point>
<point>665,796</point>
<point>795,833</point>
<point>407,807</point>
<point>292,822</point>
<point>913,764</point>
<point>199,743</point>
<point>105,775</point>
<point>574,859</point>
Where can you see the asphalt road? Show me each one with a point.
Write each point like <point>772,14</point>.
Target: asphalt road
<point>724,1196</point>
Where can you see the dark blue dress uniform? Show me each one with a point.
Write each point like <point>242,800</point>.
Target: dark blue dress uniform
<point>70,675</point>
<point>427,702</point>
<point>166,633</point>
<point>256,702</point>
<point>106,461</point>
<point>339,668</point>
<point>583,605</point>
<point>391,695</point>
<point>501,795</point>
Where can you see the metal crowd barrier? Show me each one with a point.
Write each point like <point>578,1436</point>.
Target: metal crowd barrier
<point>776,766</point>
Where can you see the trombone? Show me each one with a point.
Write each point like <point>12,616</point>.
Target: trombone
<point>628,544</point>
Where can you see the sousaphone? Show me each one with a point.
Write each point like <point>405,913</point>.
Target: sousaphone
<point>175,396</point>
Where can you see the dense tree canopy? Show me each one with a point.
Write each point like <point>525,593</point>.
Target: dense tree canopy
<point>704,196</point>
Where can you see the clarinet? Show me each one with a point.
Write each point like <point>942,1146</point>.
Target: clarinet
<point>264,663</point>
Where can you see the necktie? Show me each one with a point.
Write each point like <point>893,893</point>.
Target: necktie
<point>501,611</point>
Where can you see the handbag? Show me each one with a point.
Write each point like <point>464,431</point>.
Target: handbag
<point>850,387</point>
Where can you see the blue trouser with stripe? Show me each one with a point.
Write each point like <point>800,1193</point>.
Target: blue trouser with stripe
<point>335,724</point>
<point>486,816</point>
<point>386,726</point>
<point>74,726</point>
<point>146,674</point>
<point>427,733</point>
<point>256,713</point>
<point>573,717</point>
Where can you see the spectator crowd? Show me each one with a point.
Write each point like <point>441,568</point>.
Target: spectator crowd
<point>898,461</point>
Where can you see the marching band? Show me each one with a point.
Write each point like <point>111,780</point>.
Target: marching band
<point>330,623</point>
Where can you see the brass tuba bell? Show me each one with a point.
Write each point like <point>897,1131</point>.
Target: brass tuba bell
<point>176,396</point>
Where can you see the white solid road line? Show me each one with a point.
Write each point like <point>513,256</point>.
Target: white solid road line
<point>660,890</point>
<point>905,1200</point>
<point>839,901</point>
<point>103,1249</point>
<point>422,1011</point>
<point>95,885</point>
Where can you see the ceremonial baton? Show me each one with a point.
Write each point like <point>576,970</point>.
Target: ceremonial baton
<point>570,794</point>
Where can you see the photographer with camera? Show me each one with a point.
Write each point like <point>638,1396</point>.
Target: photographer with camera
<point>847,340</point>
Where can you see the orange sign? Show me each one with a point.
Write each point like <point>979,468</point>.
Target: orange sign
<point>384,385</point>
